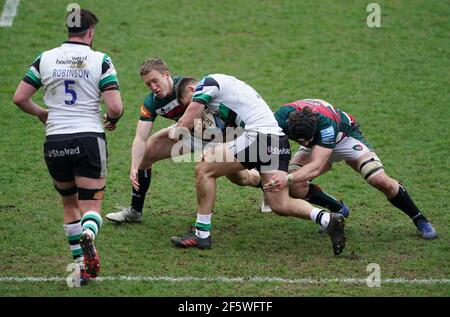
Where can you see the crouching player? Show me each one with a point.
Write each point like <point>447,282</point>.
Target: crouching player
<point>328,135</point>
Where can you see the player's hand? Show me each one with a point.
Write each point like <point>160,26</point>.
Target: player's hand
<point>276,183</point>
<point>108,125</point>
<point>134,178</point>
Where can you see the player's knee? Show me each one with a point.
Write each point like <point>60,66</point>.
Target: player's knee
<point>383,183</point>
<point>203,170</point>
<point>377,181</point>
<point>149,158</point>
<point>91,193</point>
<point>371,168</point>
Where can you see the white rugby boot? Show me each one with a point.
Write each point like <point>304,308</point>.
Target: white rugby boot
<point>125,215</point>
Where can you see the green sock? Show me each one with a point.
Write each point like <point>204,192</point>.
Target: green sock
<point>318,197</point>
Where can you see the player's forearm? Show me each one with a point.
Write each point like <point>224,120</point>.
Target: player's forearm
<point>193,111</point>
<point>114,104</point>
<point>306,173</point>
<point>137,152</point>
<point>28,106</point>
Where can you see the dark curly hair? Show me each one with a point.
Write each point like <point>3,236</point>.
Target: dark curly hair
<point>87,19</point>
<point>302,124</point>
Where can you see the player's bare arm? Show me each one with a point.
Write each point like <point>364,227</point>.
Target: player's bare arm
<point>193,111</point>
<point>143,132</point>
<point>114,105</point>
<point>319,157</point>
<point>22,98</point>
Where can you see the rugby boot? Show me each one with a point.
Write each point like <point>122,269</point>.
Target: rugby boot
<point>336,232</point>
<point>125,215</point>
<point>191,240</point>
<point>91,258</point>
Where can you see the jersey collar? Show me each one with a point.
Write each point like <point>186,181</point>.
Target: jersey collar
<point>75,42</point>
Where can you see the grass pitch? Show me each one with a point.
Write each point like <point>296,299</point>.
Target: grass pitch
<point>394,79</point>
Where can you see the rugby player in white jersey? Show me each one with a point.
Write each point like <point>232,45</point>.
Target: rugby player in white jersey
<point>74,78</point>
<point>148,148</point>
<point>262,145</point>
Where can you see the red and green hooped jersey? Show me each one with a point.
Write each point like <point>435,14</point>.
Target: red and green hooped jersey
<point>168,107</point>
<point>333,124</point>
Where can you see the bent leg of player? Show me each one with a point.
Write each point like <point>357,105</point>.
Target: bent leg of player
<point>159,147</point>
<point>217,161</point>
<point>371,168</point>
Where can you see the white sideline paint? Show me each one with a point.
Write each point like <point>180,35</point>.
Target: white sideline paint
<point>8,13</point>
<point>256,279</point>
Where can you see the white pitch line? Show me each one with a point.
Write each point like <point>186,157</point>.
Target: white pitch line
<point>9,13</point>
<point>257,279</point>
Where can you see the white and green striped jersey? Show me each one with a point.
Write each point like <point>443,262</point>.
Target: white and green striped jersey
<point>73,77</point>
<point>230,96</point>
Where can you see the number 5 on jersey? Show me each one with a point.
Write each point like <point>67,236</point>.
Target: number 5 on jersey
<point>70,91</point>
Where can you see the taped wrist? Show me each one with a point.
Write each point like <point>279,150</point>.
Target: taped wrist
<point>290,179</point>
<point>113,120</point>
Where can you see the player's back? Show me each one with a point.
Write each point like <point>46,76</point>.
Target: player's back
<point>245,102</point>
<point>73,76</point>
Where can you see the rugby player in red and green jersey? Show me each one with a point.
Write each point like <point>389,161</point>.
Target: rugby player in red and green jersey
<point>328,135</point>
<point>148,149</point>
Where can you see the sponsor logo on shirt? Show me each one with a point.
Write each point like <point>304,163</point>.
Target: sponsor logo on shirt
<point>327,135</point>
<point>75,60</point>
<point>357,147</point>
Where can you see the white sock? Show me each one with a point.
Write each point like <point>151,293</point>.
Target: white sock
<point>202,234</point>
<point>325,220</point>
<point>73,232</point>
<point>206,219</point>
<point>313,214</point>
<point>204,222</point>
<point>324,216</point>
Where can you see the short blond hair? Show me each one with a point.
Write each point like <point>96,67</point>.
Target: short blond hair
<point>152,64</point>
